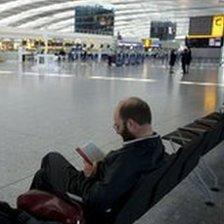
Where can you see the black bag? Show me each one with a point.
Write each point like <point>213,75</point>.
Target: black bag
<point>9,215</point>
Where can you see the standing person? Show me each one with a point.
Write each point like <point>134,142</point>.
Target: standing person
<point>184,60</point>
<point>172,61</point>
<point>188,60</point>
<point>103,185</point>
<point>110,57</point>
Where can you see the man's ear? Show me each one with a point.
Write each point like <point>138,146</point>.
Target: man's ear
<point>130,123</point>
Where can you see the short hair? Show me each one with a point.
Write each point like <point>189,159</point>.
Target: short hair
<point>136,109</point>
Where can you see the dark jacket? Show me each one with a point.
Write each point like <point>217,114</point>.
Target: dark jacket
<point>120,170</point>
<point>188,57</point>
<point>173,57</point>
<point>184,57</point>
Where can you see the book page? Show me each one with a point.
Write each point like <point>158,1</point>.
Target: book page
<point>91,153</point>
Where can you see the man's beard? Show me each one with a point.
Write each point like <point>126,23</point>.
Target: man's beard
<point>126,135</point>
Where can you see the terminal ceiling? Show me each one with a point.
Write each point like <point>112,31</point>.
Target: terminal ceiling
<point>132,17</point>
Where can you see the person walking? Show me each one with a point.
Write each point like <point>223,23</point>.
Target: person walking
<point>184,56</point>
<point>172,61</point>
<point>188,60</point>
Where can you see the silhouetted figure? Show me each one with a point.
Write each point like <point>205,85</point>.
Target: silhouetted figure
<point>109,60</point>
<point>188,60</point>
<point>184,56</point>
<point>172,61</point>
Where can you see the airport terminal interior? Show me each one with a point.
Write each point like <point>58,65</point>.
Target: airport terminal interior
<point>65,65</point>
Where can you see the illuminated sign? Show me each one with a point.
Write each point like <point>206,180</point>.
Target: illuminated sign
<point>147,43</point>
<point>218,26</point>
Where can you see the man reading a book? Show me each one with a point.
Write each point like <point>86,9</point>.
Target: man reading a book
<point>102,185</point>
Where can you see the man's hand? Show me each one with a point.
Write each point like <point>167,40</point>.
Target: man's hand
<point>89,169</point>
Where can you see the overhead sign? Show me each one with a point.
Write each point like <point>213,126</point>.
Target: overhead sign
<point>218,26</point>
<point>206,27</point>
<point>147,42</point>
<point>94,20</point>
<point>200,25</point>
<point>164,30</point>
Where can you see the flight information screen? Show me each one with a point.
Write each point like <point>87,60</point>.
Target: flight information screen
<point>96,20</point>
<point>163,30</point>
<point>201,25</point>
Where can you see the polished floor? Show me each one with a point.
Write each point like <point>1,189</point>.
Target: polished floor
<point>60,106</point>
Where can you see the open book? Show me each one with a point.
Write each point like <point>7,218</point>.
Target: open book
<point>90,153</point>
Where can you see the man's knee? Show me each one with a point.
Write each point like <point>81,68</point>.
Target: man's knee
<point>50,157</point>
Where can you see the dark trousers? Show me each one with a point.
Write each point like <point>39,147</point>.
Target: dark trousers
<point>184,68</point>
<point>57,175</point>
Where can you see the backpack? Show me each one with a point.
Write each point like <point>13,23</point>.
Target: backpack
<point>51,207</point>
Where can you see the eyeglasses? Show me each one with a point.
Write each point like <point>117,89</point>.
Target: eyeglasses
<point>117,127</point>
